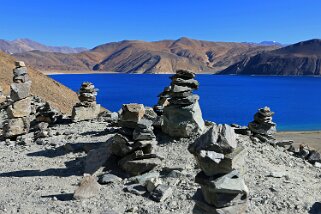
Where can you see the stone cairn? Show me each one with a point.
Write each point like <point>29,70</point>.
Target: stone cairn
<point>135,142</point>
<point>162,101</point>
<point>47,114</point>
<point>183,116</point>
<point>262,127</point>
<point>18,111</point>
<point>87,108</point>
<point>221,161</point>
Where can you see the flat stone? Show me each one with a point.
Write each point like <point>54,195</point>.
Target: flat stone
<point>20,108</point>
<point>109,178</point>
<point>139,164</point>
<point>222,191</point>
<point>184,74</point>
<point>146,135</point>
<point>185,100</point>
<point>180,89</point>
<point>218,138</point>
<point>88,188</point>
<point>231,161</point>
<point>191,83</point>
<point>20,64</point>
<point>204,208</point>
<point>142,179</point>
<point>162,192</point>
<point>284,143</point>
<point>276,174</point>
<point>81,113</point>
<point>136,189</point>
<point>19,91</point>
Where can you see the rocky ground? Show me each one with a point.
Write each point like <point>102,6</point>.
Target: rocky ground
<point>41,177</point>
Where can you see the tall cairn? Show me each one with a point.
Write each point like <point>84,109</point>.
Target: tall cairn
<point>162,101</point>
<point>87,108</point>
<point>136,142</point>
<point>18,112</point>
<point>221,161</point>
<point>262,127</point>
<point>183,116</point>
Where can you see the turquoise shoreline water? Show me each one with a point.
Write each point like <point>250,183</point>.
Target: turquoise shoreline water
<point>223,99</point>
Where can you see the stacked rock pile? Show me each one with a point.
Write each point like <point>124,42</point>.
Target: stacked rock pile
<point>162,101</point>
<point>183,116</point>
<point>18,111</point>
<point>87,108</point>
<point>262,127</point>
<point>135,143</point>
<point>221,161</point>
<point>46,113</point>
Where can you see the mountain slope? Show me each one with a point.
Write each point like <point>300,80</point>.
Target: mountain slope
<point>58,95</point>
<point>24,45</point>
<point>303,58</point>
<point>148,57</point>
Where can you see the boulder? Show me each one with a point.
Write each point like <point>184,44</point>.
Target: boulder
<point>20,91</point>
<point>183,121</point>
<point>223,191</point>
<point>15,127</point>
<point>80,113</point>
<point>20,108</point>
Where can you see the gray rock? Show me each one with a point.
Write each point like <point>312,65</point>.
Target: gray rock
<point>88,188</point>
<point>183,121</point>
<point>20,91</point>
<point>152,183</point>
<point>140,164</point>
<point>191,83</point>
<point>120,145</point>
<point>214,165</point>
<point>219,138</point>
<point>80,113</point>
<point>96,158</point>
<point>204,208</point>
<point>15,127</point>
<point>142,179</point>
<point>20,108</point>
<point>132,112</point>
<point>314,156</point>
<point>184,74</point>
<point>109,178</point>
<point>180,89</point>
<point>161,193</point>
<point>223,191</point>
<point>136,189</point>
<point>184,100</point>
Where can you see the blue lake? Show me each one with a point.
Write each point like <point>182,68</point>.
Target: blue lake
<point>296,101</point>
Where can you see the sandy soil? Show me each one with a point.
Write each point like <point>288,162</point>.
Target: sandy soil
<point>311,138</point>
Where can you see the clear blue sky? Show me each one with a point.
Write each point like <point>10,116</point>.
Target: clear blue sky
<point>88,23</point>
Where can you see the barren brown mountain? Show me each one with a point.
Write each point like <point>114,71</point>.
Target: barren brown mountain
<point>303,58</point>
<point>24,45</point>
<point>148,57</point>
<point>58,95</point>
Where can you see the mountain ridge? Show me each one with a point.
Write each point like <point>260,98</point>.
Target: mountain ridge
<point>24,45</point>
<point>302,58</point>
<point>134,56</point>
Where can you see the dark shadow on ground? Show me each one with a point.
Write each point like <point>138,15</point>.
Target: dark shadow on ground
<point>74,167</point>
<point>67,148</point>
<point>60,197</point>
<point>316,208</point>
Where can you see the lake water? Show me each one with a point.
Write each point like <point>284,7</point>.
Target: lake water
<point>296,101</point>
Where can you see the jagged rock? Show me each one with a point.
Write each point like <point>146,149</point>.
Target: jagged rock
<point>222,191</point>
<point>20,91</point>
<point>15,127</point>
<point>162,192</point>
<point>20,108</point>
<point>314,156</point>
<point>88,188</point>
<point>183,121</point>
<point>121,146</point>
<point>152,184</point>
<point>80,113</point>
<point>136,189</point>
<point>218,138</point>
<point>304,151</point>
